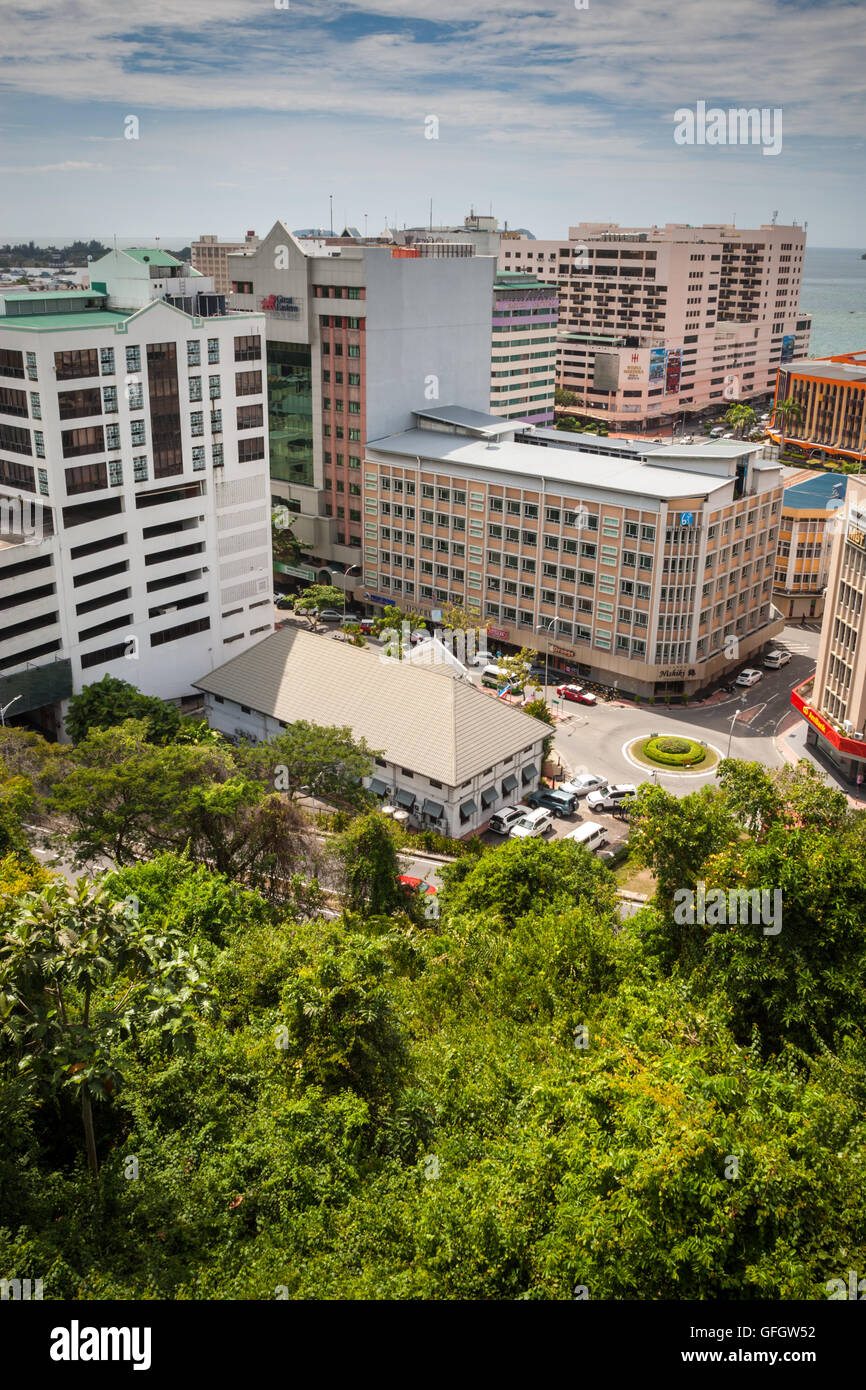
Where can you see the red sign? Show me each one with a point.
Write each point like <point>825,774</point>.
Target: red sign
<point>500,632</point>
<point>855,747</point>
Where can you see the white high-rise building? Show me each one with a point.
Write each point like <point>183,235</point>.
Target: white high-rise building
<point>134,495</point>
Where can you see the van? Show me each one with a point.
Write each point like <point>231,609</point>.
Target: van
<point>717,432</point>
<point>495,678</point>
<point>591,835</point>
<point>532,824</point>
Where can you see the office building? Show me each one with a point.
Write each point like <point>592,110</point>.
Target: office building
<point>449,753</point>
<point>636,571</point>
<point>657,324</point>
<point>833,702</point>
<point>811,506</point>
<point>831,393</point>
<point>358,336</point>
<point>134,497</point>
<point>210,256</point>
<point>524,346</point>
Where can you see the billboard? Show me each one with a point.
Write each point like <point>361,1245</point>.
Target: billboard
<point>788,344</point>
<point>657,364</point>
<point>672,373</point>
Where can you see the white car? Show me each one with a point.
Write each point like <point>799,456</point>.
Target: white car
<point>583,784</point>
<point>774,661</point>
<point>501,821</point>
<point>687,439</point>
<point>749,677</point>
<point>531,824</point>
<point>609,798</point>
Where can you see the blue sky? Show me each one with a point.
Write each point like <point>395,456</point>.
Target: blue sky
<point>552,115</point>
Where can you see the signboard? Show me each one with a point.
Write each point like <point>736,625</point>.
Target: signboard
<point>377,598</point>
<point>788,345</point>
<point>672,373</point>
<point>855,747</point>
<point>687,518</point>
<point>679,674</point>
<point>500,632</point>
<point>280,303</point>
<point>657,364</point>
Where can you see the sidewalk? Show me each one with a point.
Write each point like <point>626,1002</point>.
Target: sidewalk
<point>791,745</point>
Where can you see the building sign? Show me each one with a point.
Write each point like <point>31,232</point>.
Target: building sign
<point>855,747</point>
<point>299,571</point>
<point>672,373</point>
<point>562,651</point>
<point>281,304</point>
<point>500,632</point>
<point>788,344</point>
<point>687,518</point>
<point>679,674</point>
<point>377,598</point>
<point>657,364</point>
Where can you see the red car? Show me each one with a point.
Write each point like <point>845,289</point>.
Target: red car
<point>576,693</point>
<point>414,885</point>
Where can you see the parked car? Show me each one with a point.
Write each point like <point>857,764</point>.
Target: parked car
<point>583,784</point>
<point>591,835</point>
<point>749,677</point>
<point>495,679</point>
<point>538,673</point>
<point>410,885</point>
<point>559,802</point>
<point>367,625</point>
<point>718,432</point>
<point>775,660</point>
<point>616,854</point>
<point>330,615</point>
<point>502,821</point>
<point>687,439</point>
<point>611,798</point>
<point>532,824</point>
<point>284,601</point>
<point>577,694</point>
<point>350,620</point>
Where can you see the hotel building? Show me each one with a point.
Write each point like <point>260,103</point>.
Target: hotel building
<point>833,703</point>
<point>134,497</point>
<point>357,337</point>
<point>523,360</point>
<point>660,322</point>
<point>635,570</point>
<point>831,392</point>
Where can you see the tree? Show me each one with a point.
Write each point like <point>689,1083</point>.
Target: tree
<point>568,422</point>
<point>324,761</point>
<point>457,619</point>
<point>526,876</point>
<point>515,668</point>
<point>368,854</point>
<point>562,396</point>
<point>285,545</point>
<point>79,974</point>
<point>110,701</point>
<point>312,600</point>
<point>789,412</point>
<point>741,416</point>
<point>539,709</point>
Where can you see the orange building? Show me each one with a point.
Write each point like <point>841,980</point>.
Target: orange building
<point>832,394</point>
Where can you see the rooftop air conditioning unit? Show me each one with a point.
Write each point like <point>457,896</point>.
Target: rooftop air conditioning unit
<point>847,726</point>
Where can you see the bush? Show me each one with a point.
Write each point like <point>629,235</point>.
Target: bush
<point>674,752</point>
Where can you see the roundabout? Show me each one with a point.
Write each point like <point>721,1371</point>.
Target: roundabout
<point>673,755</point>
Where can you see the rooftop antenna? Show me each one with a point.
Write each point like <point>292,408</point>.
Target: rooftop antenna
<point>431,214</point>
<point>365,226</point>
<point>775,217</point>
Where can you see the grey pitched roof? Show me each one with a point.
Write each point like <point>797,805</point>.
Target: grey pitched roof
<point>418,717</point>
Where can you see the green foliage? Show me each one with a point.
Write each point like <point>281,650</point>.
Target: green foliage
<point>674,752</point>
<point>318,596</point>
<point>528,874</point>
<point>368,854</point>
<point>111,701</point>
<point>326,761</point>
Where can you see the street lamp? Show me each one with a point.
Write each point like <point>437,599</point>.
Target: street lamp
<point>346,574</point>
<point>4,708</point>
<point>546,628</point>
<point>734,717</point>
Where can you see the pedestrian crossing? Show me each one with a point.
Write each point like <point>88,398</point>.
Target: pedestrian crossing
<point>800,648</point>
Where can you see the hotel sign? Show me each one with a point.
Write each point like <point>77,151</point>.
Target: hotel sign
<point>855,747</point>
<point>500,632</point>
<point>678,674</point>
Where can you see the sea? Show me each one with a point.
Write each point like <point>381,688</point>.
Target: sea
<point>834,293</point>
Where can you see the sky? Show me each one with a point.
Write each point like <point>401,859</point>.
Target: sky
<point>253,110</point>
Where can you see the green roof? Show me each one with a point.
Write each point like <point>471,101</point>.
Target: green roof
<point>53,294</point>
<point>98,318</point>
<point>149,253</point>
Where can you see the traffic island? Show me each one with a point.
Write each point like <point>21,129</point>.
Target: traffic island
<point>673,754</point>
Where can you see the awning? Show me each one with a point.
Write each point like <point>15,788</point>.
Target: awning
<point>528,773</point>
<point>432,808</point>
<point>378,788</point>
<point>405,798</point>
<point>488,796</point>
<point>468,808</point>
<point>509,782</point>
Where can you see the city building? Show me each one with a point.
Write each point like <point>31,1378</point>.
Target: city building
<point>449,753</point>
<point>811,505</point>
<point>358,336</point>
<point>660,323</point>
<point>483,234</point>
<point>210,256</point>
<point>833,702</point>
<point>831,392</point>
<point>134,498</point>
<point>524,346</point>
<point>636,572</point>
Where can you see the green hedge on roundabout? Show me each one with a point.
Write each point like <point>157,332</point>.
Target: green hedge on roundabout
<point>673,752</point>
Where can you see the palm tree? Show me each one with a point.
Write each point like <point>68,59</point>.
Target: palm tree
<point>791,412</point>
<point>742,417</point>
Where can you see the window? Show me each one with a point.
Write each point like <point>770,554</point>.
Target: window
<point>106,359</point>
<point>115,473</point>
<point>250,449</point>
<point>139,469</point>
<point>213,350</point>
<point>246,383</point>
<point>250,417</point>
<point>198,458</point>
<point>112,436</point>
<point>214,387</point>
<point>74,363</point>
<point>135,395</point>
<point>137,429</point>
<point>195,388</point>
<point>89,440</point>
<point>193,355</point>
<point>196,422</point>
<point>109,396</point>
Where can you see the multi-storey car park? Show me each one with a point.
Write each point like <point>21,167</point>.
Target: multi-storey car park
<point>660,323</point>
<point>132,419</point>
<point>639,571</point>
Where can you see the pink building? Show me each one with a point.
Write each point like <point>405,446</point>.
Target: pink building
<point>657,323</point>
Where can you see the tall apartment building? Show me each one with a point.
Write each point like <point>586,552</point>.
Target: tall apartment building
<point>357,338</point>
<point>831,392</point>
<point>137,431</point>
<point>524,346</point>
<point>833,703</point>
<point>210,256</point>
<point>660,322</point>
<point>636,570</point>
<point>811,507</point>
